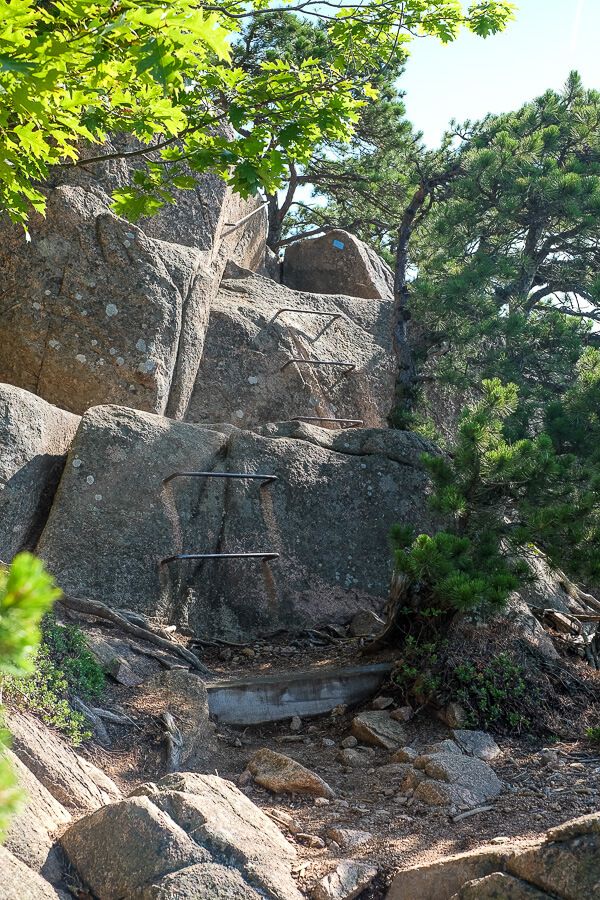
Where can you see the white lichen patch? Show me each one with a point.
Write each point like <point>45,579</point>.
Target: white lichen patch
<point>90,479</point>
<point>239,413</point>
<point>113,351</point>
<point>37,305</point>
<point>77,463</point>
<point>54,343</point>
<point>141,345</point>
<point>252,379</point>
<point>111,310</point>
<point>98,497</point>
<point>79,296</point>
<point>81,358</point>
<point>148,366</point>
<point>93,342</point>
<point>119,360</point>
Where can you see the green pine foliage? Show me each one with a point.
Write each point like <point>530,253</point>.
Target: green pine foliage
<point>499,497</point>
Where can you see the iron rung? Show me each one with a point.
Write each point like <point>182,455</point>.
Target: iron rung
<point>254,476</point>
<point>251,555</point>
<point>306,312</point>
<point>352,423</point>
<point>320,362</point>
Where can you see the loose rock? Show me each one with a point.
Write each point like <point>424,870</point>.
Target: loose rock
<point>379,729</point>
<point>346,882</point>
<point>282,775</point>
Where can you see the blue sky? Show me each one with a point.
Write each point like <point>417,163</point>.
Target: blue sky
<point>471,77</point>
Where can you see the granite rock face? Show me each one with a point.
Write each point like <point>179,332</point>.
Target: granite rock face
<point>246,377</point>
<point>73,781</point>
<point>31,832</point>
<point>98,310</point>
<point>18,882</point>
<point>34,439</point>
<point>113,482</point>
<point>337,263</point>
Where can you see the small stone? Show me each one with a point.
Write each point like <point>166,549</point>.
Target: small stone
<point>477,743</point>
<point>352,758</point>
<point>321,801</point>
<point>402,714</point>
<point>382,702</point>
<point>349,742</point>
<point>327,742</point>
<point>248,652</point>
<point>379,729</point>
<point>346,882</point>
<point>404,755</point>
<point>349,838</point>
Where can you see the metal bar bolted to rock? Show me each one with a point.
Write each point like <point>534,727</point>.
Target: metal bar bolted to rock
<point>350,366</point>
<point>253,554</point>
<point>349,423</point>
<point>306,312</point>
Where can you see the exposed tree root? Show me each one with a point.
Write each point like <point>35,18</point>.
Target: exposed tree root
<point>102,611</point>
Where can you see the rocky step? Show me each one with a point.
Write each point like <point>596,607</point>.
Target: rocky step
<point>282,695</point>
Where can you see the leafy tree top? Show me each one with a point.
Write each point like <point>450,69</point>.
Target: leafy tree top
<point>71,70</point>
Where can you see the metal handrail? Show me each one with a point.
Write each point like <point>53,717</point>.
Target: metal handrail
<point>320,362</point>
<point>250,475</point>
<point>306,312</point>
<point>252,555</point>
<point>233,225</point>
<point>352,423</point>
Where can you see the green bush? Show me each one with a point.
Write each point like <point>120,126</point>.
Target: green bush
<point>63,667</point>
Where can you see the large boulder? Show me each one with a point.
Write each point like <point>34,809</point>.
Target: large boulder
<point>98,310</point>
<point>172,835</point>
<point>113,521</point>
<point>328,515</point>
<point>34,439</point>
<point>31,831</point>
<point>73,781</point>
<point>337,263</point>
<point>126,845</point>
<point>18,882</point>
<point>245,376</point>
<point>565,863</point>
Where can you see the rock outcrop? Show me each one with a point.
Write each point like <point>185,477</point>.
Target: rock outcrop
<point>73,781</point>
<point>18,882</point>
<point>98,310</point>
<point>329,484</point>
<point>178,835</point>
<point>34,439</point>
<point>337,263</point>
<point>31,832</point>
<point>565,865</point>
<point>113,483</point>
<point>246,377</point>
